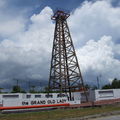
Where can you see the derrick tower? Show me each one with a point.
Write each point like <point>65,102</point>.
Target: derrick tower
<point>65,74</point>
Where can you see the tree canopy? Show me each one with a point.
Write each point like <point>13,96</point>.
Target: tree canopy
<point>115,84</point>
<point>17,89</point>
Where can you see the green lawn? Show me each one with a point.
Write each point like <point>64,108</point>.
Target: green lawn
<point>59,114</point>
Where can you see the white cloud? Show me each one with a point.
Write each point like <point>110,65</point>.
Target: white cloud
<point>96,34</point>
<point>39,34</point>
<point>11,21</point>
<point>98,57</point>
<point>2,3</point>
<point>29,50</point>
<point>94,20</point>
<point>35,41</point>
<point>11,27</point>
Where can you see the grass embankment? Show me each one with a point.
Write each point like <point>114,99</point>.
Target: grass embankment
<point>59,114</point>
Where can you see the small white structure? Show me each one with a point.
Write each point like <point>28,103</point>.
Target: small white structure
<point>104,94</point>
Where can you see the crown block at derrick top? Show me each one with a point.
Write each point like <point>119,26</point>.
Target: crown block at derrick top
<point>60,14</point>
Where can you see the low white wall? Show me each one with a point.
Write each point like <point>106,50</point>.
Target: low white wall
<point>21,99</point>
<point>76,98</point>
<point>107,94</point>
<point>104,94</point>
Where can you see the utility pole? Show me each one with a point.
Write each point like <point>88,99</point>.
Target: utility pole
<point>17,82</point>
<point>98,82</point>
<point>29,85</point>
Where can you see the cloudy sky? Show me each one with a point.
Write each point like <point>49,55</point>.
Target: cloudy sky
<point>26,35</point>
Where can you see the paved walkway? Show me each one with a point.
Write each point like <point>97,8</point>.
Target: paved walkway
<point>116,117</point>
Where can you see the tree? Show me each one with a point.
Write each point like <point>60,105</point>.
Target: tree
<point>16,89</point>
<point>46,90</point>
<point>108,86</point>
<point>115,84</point>
<point>33,89</point>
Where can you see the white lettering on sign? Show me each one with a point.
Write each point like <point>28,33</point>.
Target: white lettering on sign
<point>43,102</point>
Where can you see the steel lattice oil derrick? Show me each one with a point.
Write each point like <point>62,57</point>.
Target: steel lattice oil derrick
<point>65,74</point>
